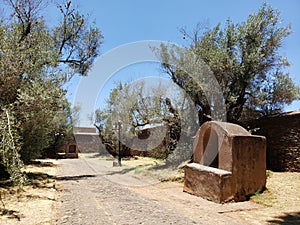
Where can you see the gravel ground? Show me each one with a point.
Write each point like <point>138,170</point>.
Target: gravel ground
<point>93,193</point>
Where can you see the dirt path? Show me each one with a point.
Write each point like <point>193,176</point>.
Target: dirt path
<point>92,192</point>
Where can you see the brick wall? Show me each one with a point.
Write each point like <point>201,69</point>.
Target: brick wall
<point>283,140</point>
<point>88,143</point>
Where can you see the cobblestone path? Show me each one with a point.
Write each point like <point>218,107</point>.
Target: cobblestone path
<point>88,195</point>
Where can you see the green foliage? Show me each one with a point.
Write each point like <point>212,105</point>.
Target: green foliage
<point>42,110</point>
<point>35,61</point>
<point>157,118</point>
<point>246,62</point>
<point>10,147</point>
<point>76,41</point>
<point>140,115</point>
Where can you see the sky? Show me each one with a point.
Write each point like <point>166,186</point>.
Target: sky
<point>126,22</point>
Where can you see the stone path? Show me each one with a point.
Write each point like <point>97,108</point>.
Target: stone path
<point>91,193</point>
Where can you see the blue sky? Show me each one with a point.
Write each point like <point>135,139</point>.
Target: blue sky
<point>123,22</point>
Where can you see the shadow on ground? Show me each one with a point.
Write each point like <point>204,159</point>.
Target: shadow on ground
<point>40,180</point>
<point>79,177</point>
<point>12,214</point>
<point>35,179</point>
<point>42,164</point>
<point>99,155</point>
<point>287,218</point>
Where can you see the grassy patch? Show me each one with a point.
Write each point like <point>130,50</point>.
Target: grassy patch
<point>269,173</point>
<point>11,214</point>
<point>283,191</point>
<point>156,168</point>
<point>178,179</point>
<point>266,198</point>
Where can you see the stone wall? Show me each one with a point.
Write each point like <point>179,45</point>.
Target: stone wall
<point>283,140</point>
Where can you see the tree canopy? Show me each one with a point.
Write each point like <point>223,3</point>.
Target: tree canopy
<point>150,120</point>
<point>132,106</point>
<point>246,61</point>
<point>36,59</point>
<point>232,72</point>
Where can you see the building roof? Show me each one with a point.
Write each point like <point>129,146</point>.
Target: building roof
<point>85,130</point>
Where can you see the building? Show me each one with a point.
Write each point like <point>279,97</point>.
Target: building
<point>282,131</point>
<point>86,140</point>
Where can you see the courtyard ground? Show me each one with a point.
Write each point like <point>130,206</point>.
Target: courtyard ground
<point>89,190</point>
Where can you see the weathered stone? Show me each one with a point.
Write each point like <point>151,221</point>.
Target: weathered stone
<point>239,158</point>
<point>207,182</point>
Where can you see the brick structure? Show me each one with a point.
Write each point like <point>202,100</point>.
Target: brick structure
<point>87,139</point>
<point>283,140</point>
<point>69,150</point>
<point>229,163</point>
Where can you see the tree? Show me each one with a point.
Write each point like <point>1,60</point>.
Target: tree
<point>139,114</point>
<point>246,62</point>
<point>128,109</point>
<point>36,59</point>
<point>10,147</point>
<point>41,111</point>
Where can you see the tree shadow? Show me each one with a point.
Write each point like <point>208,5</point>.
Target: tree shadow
<point>38,176</point>
<point>6,184</point>
<point>123,171</point>
<point>288,218</point>
<point>79,177</point>
<point>99,155</point>
<point>42,164</point>
<point>35,179</point>
<point>146,167</point>
<point>11,214</point>
<point>38,180</point>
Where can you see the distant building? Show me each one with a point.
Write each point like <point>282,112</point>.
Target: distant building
<point>86,140</point>
<point>69,150</point>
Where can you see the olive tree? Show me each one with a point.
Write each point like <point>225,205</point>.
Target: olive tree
<point>246,61</point>
<point>153,117</point>
<point>36,59</point>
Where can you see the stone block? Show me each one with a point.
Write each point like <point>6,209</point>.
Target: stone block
<point>229,163</point>
<point>207,182</point>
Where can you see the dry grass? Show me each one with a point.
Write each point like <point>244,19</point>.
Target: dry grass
<point>35,202</point>
<point>154,168</point>
<point>280,202</point>
<point>282,190</point>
